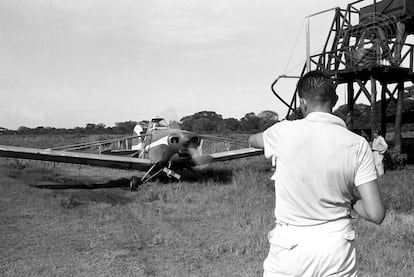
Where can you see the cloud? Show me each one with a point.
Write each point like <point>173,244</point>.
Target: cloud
<point>182,22</point>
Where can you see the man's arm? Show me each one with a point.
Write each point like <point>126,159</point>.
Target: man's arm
<point>256,140</point>
<point>370,207</point>
<point>384,145</point>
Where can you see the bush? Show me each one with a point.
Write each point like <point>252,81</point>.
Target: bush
<point>394,160</point>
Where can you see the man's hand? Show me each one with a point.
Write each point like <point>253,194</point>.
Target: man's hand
<point>370,207</point>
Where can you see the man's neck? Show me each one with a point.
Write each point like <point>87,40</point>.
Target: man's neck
<point>320,109</point>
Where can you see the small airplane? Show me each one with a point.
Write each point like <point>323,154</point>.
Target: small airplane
<point>158,150</point>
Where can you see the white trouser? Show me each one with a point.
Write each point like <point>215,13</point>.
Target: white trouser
<point>314,251</point>
<point>378,158</point>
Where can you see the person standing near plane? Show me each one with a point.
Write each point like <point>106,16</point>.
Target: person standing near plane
<point>379,147</point>
<point>319,163</point>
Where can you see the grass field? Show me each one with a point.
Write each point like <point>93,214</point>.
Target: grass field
<point>213,226</point>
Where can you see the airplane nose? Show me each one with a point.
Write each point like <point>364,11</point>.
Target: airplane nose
<point>184,139</point>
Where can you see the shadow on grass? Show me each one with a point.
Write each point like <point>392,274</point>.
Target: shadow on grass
<point>76,184</point>
<point>218,175</point>
<point>200,176</point>
<point>74,193</point>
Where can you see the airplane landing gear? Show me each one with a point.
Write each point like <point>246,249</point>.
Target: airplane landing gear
<point>134,183</point>
<point>171,174</point>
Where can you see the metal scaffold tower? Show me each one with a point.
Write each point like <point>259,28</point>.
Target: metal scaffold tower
<point>367,51</point>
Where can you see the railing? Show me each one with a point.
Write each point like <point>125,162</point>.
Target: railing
<point>122,143</point>
<point>354,57</point>
<point>81,146</point>
<point>292,106</point>
<point>348,48</point>
<point>347,39</point>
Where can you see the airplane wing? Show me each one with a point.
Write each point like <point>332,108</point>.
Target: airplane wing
<point>129,152</point>
<point>227,155</point>
<point>75,158</point>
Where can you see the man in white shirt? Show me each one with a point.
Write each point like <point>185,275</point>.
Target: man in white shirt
<point>379,147</point>
<point>319,163</point>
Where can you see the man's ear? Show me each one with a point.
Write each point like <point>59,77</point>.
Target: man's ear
<point>303,106</point>
<point>334,101</point>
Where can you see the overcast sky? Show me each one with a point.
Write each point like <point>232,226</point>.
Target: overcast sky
<point>69,63</point>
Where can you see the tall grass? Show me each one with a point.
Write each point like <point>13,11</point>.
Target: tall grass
<point>215,225</point>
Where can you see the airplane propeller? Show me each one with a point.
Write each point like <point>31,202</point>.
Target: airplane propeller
<point>197,157</point>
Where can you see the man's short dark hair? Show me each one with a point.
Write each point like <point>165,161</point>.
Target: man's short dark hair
<point>316,86</point>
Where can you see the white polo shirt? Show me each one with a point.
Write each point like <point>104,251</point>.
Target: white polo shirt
<point>319,162</point>
<point>379,144</point>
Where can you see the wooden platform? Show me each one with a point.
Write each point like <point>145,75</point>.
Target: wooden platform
<point>387,74</point>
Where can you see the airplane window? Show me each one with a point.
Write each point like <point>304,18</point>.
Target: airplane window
<point>159,123</point>
<point>163,123</point>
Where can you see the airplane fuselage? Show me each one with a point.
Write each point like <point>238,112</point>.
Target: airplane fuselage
<point>165,146</point>
<point>173,146</point>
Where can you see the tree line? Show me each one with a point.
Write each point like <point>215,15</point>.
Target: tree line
<point>210,121</point>
<point>204,121</point>
<point>90,128</point>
